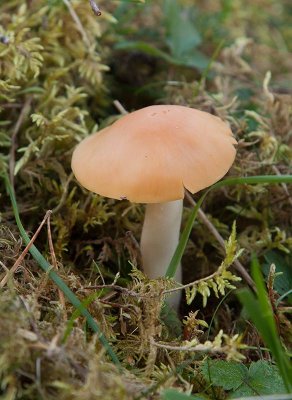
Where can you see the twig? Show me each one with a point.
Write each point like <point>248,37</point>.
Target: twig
<point>199,347</point>
<point>167,291</point>
<point>237,265</point>
<point>95,8</point>
<point>78,23</point>
<point>25,251</point>
<point>120,107</point>
<point>54,263</point>
<point>190,284</point>
<point>284,186</point>
<point>18,124</point>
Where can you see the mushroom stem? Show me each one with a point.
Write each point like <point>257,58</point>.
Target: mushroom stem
<point>159,239</point>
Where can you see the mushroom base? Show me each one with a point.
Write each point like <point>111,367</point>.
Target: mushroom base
<point>159,239</point>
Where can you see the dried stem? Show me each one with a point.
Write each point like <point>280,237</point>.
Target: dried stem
<point>55,265</point>
<point>78,23</point>
<point>237,265</point>
<point>25,251</point>
<point>199,347</point>
<point>284,186</point>
<point>95,8</point>
<point>194,283</point>
<point>120,107</point>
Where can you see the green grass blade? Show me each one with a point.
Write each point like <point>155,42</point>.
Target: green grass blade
<point>283,297</point>
<point>70,324</point>
<point>250,180</point>
<point>261,313</point>
<point>269,397</point>
<point>57,280</point>
<point>253,180</point>
<point>183,240</point>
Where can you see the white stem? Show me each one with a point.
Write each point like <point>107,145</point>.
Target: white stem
<point>159,239</point>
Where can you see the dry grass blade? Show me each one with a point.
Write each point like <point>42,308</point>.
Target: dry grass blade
<point>78,23</point>
<point>25,251</point>
<point>203,217</point>
<point>55,264</point>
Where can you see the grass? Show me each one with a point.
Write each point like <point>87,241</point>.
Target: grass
<point>261,313</point>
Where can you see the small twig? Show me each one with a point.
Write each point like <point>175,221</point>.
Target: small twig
<point>78,23</point>
<point>194,283</point>
<point>120,107</point>
<point>284,186</point>
<point>199,347</point>
<point>25,251</point>
<point>52,251</point>
<point>95,8</point>
<point>16,129</point>
<point>55,265</point>
<point>237,265</point>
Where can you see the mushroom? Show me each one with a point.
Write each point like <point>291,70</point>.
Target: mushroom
<point>151,156</point>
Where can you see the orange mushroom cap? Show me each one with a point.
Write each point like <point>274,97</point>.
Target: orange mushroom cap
<point>151,155</point>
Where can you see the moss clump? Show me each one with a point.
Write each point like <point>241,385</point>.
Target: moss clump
<point>34,364</point>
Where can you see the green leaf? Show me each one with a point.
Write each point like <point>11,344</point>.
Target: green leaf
<point>145,48</point>
<point>194,60</point>
<point>182,36</point>
<point>70,323</point>
<point>261,313</point>
<point>228,375</point>
<point>261,378</point>
<point>265,378</point>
